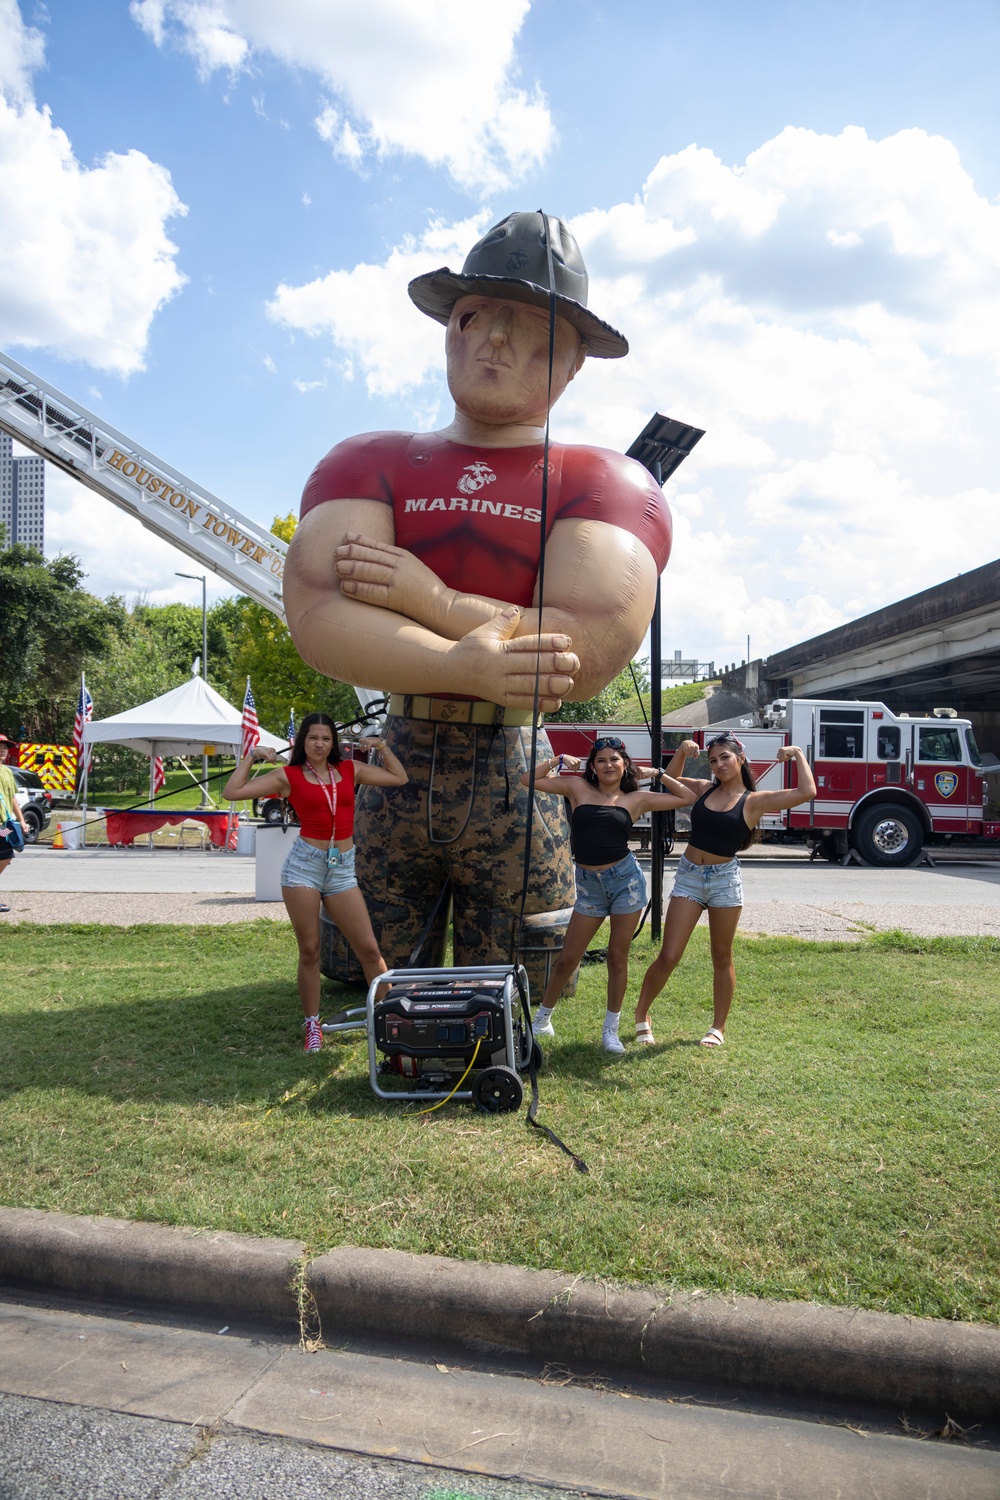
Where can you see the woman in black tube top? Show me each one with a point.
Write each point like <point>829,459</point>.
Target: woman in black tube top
<point>723,821</point>
<point>604,802</point>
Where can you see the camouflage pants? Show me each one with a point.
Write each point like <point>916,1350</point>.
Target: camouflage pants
<point>455,835</point>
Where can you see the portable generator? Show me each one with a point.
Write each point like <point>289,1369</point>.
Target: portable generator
<point>434,1028</point>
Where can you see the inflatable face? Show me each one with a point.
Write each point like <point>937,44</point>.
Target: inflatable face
<point>498,360</point>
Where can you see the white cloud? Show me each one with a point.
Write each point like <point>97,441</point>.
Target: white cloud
<point>117,553</point>
<point>829,312</point>
<point>431,78</point>
<point>85,262</point>
<point>22,50</point>
<point>204,29</point>
<point>369,316</point>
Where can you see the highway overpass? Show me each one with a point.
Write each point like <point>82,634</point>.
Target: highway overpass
<point>937,648</point>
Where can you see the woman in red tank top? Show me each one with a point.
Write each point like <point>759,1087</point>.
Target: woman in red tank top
<point>319,869</point>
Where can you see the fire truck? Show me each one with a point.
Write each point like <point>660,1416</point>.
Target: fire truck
<point>887,784</point>
<point>54,765</point>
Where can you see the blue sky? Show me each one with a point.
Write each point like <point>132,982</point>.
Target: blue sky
<point>212,207</point>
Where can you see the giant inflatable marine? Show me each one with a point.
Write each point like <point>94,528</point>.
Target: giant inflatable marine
<point>415,568</point>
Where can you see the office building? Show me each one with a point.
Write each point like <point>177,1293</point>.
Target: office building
<point>22,497</point>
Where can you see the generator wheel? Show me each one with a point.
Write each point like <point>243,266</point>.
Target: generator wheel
<point>497,1091</point>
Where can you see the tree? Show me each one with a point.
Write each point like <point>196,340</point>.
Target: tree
<point>136,666</point>
<point>49,624</point>
<point>603,708</point>
<point>178,627</point>
<point>282,682</point>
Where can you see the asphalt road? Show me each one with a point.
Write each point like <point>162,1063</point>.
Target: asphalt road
<point>785,892</point>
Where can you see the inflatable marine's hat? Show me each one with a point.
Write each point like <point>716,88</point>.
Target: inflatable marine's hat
<point>511,261</point>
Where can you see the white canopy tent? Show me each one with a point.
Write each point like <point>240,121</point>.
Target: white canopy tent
<point>192,719</point>
<point>181,722</point>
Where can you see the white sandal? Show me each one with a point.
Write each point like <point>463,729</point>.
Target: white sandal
<point>712,1038</point>
<point>644,1034</point>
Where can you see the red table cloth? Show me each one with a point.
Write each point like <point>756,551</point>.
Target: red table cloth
<point>123,827</point>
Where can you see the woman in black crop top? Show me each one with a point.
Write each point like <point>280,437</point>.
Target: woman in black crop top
<point>604,803</point>
<point>723,819</point>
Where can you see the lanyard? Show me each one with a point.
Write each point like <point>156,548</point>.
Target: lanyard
<point>329,790</point>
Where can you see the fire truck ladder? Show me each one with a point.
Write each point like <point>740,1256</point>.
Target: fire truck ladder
<point>166,502</point>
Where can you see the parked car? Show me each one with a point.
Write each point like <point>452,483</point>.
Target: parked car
<point>273,810</point>
<point>35,802</point>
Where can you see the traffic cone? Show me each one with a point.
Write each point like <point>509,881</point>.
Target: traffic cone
<point>57,842</point>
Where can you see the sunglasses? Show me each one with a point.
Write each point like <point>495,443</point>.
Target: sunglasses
<point>725,739</point>
<point>609,744</point>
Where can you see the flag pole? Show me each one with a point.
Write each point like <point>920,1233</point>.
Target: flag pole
<point>86,757</point>
<point>152,774</point>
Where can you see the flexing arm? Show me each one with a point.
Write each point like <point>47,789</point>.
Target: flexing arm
<point>548,777</point>
<point>600,585</point>
<point>390,773</point>
<point>678,794</point>
<point>241,784</point>
<point>356,641</point>
<point>759,803</point>
<point>675,767</point>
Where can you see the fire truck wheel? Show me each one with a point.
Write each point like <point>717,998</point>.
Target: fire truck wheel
<point>497,1091</point>
<point>888,834</point>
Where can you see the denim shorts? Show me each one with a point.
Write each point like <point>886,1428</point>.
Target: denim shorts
<point>612,892</point>
<point>305,865</point>
<point>709,885</point>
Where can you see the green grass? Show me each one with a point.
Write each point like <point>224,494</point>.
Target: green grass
<point>841,1147</point>
<point>178,792</point>
<point>631,711</point>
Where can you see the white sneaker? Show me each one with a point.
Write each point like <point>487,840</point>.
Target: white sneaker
<point>612,1042</point>
<point>543,1028</point>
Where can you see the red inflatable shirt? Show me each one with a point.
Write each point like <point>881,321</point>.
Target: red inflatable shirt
<point>473,515</point>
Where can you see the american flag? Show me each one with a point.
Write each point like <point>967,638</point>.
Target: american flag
<point>159,778</point>
<point>251,728</point>
<point>84,714</point>
<point>290,731</point>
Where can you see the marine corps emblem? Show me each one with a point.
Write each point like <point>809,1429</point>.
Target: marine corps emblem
<point>475,477</point>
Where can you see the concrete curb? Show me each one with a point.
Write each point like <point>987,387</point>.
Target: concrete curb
<point>794,1348</point>
<point>118,1260</point>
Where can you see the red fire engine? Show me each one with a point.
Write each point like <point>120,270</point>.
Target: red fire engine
<point>887,784</point>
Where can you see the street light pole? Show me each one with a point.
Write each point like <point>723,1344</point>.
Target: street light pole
<point>661,447</point>
<point>204,666</point>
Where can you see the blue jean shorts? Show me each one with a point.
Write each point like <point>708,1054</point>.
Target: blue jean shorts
<point>709,885</point>
<point>611,892</point>
<point>305,865</point>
